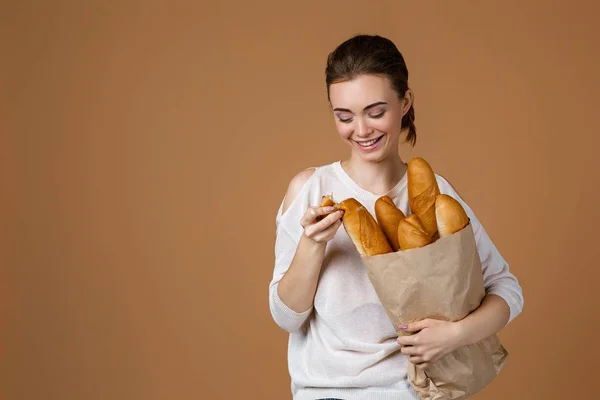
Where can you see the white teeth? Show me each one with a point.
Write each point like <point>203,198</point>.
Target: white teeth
<point>367,144</point>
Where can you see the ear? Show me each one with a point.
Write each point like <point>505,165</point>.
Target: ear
<point>407,101</point>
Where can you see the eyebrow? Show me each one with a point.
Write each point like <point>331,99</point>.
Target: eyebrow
<point>364,109</point>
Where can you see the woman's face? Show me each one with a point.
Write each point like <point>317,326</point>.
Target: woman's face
<point>368,115</point>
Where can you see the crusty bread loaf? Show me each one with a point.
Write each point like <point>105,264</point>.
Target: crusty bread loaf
<point>326,201</point>
<point>388,216</point>
<point>422,191</point>
<point>450,215</point>
<point>363,230</point>
<point>412,233</point>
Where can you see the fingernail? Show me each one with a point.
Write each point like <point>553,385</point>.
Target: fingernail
<point>330,208</point>
<point>403,326</point>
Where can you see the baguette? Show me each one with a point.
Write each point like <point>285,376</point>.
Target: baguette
<point>388,216</point>
<point>422,192</point>
<point>412,233</point>
<point>327,201</point>
<point>363,230</point>
<point>450,215</point>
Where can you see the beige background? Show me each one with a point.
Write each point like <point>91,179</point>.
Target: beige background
<point>146,146</point>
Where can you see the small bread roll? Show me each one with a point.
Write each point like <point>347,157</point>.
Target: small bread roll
<point>363,230</point>
<point>412,233</point>
<point>450,215</point>
<point>326,201</point>
<point>422,191</point>
<point>388,216</point>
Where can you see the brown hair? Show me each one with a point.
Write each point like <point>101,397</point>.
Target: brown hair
<point>372,54</point>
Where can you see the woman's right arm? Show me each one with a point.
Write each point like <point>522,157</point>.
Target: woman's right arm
<point>295,282</point>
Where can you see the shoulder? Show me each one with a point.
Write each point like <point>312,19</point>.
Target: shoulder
<point>296,184</point>
<point>446,187</point>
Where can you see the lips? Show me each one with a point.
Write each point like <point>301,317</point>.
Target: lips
<point>368,143</point>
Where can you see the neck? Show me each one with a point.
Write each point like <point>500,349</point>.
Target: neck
<point>376,177</point>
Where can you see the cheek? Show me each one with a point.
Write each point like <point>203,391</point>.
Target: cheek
<point>387,125</point>
<point>344,130</point>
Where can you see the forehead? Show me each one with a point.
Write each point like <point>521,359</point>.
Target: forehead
<point>361,91</point>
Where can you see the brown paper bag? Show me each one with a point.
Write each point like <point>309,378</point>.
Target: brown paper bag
<point>444,281</point>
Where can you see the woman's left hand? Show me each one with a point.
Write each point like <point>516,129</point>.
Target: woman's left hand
<point>433,340</point>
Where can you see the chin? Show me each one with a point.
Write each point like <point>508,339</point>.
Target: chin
<point>378,158</point>
<point>372,157</point>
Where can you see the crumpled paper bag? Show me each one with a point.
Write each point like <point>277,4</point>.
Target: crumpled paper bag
<point>442,280</point>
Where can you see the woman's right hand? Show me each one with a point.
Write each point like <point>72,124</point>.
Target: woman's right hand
<point>321,230</point>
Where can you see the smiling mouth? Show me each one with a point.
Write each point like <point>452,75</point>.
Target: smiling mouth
<point>369,143</point>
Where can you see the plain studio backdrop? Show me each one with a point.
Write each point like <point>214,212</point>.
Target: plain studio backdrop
<point>146,146</point>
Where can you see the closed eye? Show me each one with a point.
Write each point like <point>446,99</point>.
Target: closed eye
<point>346,120</point>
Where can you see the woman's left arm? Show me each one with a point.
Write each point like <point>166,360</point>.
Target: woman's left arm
<point>491,316</point>
<point>437,338</point>
<point>497,279</point>
<point>502,303</point>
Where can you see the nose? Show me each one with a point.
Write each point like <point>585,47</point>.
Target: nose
<point>362,129</point>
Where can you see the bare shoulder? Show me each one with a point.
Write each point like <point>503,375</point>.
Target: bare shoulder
<point>294,187</point>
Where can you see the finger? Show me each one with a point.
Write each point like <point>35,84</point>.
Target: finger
<point>415,326</point>
<point>328,220</point>
<point>416,359</point>
<point>410,351</point>
<point>326,211</point>
<point>420,359</point>
<point>308,216</point>
<point>329,232</point>
<point>318,227</point>
<point>412,327</point>
<point>422,365</point>
<point>408,340</point>
<point>331,229</point>
<point>313,212</point>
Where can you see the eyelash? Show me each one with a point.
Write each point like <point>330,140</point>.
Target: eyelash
<point>374,116</point>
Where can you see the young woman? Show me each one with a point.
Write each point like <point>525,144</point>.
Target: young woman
<point>342,344</point>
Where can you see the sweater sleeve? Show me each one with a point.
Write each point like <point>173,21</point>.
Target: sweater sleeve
<point>497,277</point>
<point>285,249</point>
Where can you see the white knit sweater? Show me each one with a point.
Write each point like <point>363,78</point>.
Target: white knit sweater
<point>345,346</point>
